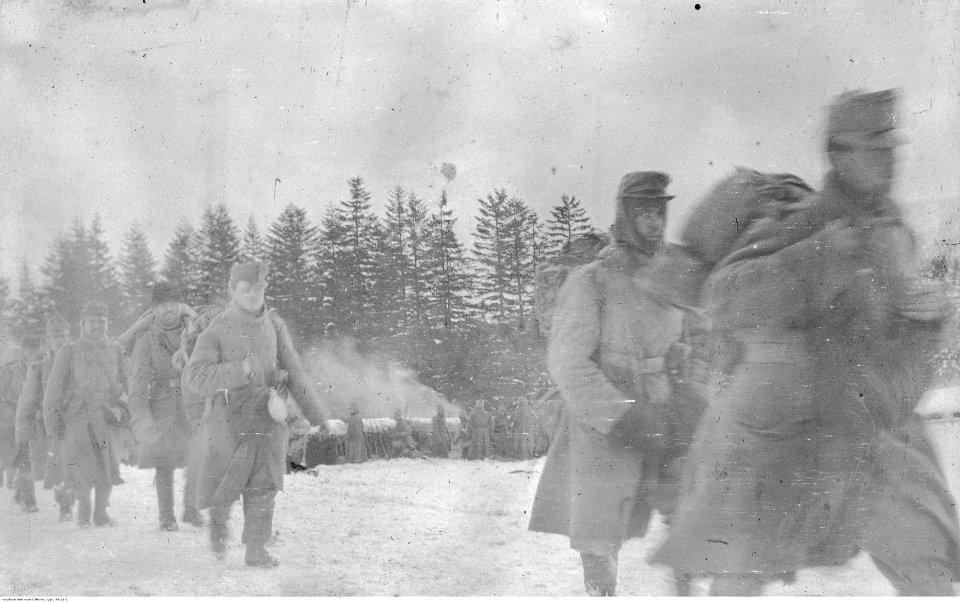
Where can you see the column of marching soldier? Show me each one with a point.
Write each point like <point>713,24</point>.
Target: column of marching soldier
<point>754,383</point>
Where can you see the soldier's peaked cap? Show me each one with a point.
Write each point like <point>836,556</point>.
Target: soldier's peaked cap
<point>165,292</point>
<point>866,119</point>
<point>94,309</point>
<point>644,186</point>
<point>251,271</point>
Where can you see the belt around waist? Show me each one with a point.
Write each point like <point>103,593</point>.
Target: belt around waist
<point>774,353</point>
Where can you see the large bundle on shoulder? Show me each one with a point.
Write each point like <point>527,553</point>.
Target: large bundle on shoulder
<point>552,273</point>
<point>721,223</point>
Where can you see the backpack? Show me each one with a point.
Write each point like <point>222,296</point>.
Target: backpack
<point>553,272</point>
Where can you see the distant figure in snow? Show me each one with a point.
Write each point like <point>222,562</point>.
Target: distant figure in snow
<point>501,432</point>
<point>479,429</point>
<point>440,437</point>
<point>355,442</point>
<point>401,440</point>
<point>525,429</point>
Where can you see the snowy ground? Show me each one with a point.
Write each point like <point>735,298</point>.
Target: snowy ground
<point>397,527</point>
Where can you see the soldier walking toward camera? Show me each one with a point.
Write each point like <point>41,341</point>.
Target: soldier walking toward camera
<point>815,451</point>
<point>244,353</point>
<point>16,456</point>
<point>616,455</point>
<point>82,408</point>
<point>159,418</point>
<point>39,456</point>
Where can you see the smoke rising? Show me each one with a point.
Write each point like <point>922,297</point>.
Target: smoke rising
<point>377,385</point>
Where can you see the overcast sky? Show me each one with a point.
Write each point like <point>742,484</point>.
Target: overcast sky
<point>150,111</point>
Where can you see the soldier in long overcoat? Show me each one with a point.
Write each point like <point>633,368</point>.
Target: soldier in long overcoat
<point>440,437</point>
<point>82,407</point>
<point>194,405</point>
<point>16,455</point>
<point>479,426</point>
<point>605,471</point>
<point>356,443</point>
<point>31,435</point>
<point>159,420</point>
<point>238,358</point>
<point>501,432</point>
<point>813,451</point>
<point>401,438</point>
<point>525,429</point>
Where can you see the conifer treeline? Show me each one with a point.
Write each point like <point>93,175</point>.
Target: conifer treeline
<point>402,285</point>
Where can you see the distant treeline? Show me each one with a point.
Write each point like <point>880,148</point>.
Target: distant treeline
<point>400,284</point>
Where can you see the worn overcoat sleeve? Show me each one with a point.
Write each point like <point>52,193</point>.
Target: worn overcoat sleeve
<point>29,403</point>
<point>141,417</point>
<point>207,372</point>
<point>574,342</point>
<point>53,397</point>
<point>298,381</point>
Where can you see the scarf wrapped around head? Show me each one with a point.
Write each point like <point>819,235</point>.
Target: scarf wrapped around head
<point>722,223</point>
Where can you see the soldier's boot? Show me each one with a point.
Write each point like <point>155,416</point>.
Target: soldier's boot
<point>258,527</point>
<point>599,573</point>
<point>28,494</point>
<point>163,479</point>
<point>65,499</point>
<point>83,507</point>
<point>193,517</point>
<point>101,501</point>
<point>219,531</point>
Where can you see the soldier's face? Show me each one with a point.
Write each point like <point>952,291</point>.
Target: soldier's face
<point>95,327</point>
<point>168,312</point>
<point>650,221</point>
<point>56,340</point>
<point>249,296</point>
<point>869,170</point>
<point>28,356</point>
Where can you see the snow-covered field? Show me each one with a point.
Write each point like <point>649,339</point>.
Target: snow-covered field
<point>383,528</point>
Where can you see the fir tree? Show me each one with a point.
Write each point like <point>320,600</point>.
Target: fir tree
<point>491,251</point>
<point>181,264</point>
<point>449,281</point>
<point>291,247</point>
<point>30,310</point>
<point>137,274</point>
<point>331,252</point>
<point>420,272</point>
<point>396,271</point>
<point>252,247</point>
<point>520,261</point>
<point>104,281</point>
<point>221,249</point>
<point>358,268</point>
<point>567,221</point>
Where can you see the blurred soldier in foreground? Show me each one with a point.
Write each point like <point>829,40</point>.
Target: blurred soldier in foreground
<point>16,457</point>
<point>607,467</point>
<point>440,437</point>
<point>356,443</point>
<point>82,407</point>
<point>32,436</point>
<point>159,418</point>
<point>244,353</point>
<point>813,451</point>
